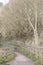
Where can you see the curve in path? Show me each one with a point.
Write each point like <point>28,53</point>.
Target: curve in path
<point>20,60</point>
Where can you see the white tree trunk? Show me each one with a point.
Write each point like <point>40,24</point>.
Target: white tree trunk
<point>36,39</point>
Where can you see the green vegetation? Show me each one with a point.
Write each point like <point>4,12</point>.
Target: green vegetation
<point>28,54</point>
<point>9,56</point>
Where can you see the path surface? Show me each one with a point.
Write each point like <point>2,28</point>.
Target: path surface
<point>20,60</point>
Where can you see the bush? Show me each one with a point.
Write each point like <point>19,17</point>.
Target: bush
<point>6,58</point>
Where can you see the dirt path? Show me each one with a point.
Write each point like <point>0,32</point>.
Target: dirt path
<point>20,60</point>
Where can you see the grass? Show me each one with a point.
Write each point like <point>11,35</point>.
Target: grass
<point>6,58</point>
<point>29,55</point>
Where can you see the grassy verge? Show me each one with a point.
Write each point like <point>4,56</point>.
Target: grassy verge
<point>8,57</point>
<point>28,54</point>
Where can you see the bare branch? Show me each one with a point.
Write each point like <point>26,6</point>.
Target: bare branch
<point>28,17</point>
<point>30,23</point>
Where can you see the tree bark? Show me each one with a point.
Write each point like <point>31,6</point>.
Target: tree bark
<point>36,39</point>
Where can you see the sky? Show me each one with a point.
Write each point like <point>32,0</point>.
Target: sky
<point>4,1</point>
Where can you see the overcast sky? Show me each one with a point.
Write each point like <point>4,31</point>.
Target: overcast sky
<point>4,1</point>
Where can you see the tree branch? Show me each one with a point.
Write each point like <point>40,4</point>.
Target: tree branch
<point>30,23</point>
<point>28,17</point>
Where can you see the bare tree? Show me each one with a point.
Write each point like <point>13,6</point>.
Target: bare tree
<point>36,39</point>
<point>20,15</point>
<point>34,6</point>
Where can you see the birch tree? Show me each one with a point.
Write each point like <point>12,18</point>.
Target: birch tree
<point>31,11</point>
<point>23,11</point>
<point>36,39</point>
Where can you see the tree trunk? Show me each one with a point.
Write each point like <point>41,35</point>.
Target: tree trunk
<point>36,40</point>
